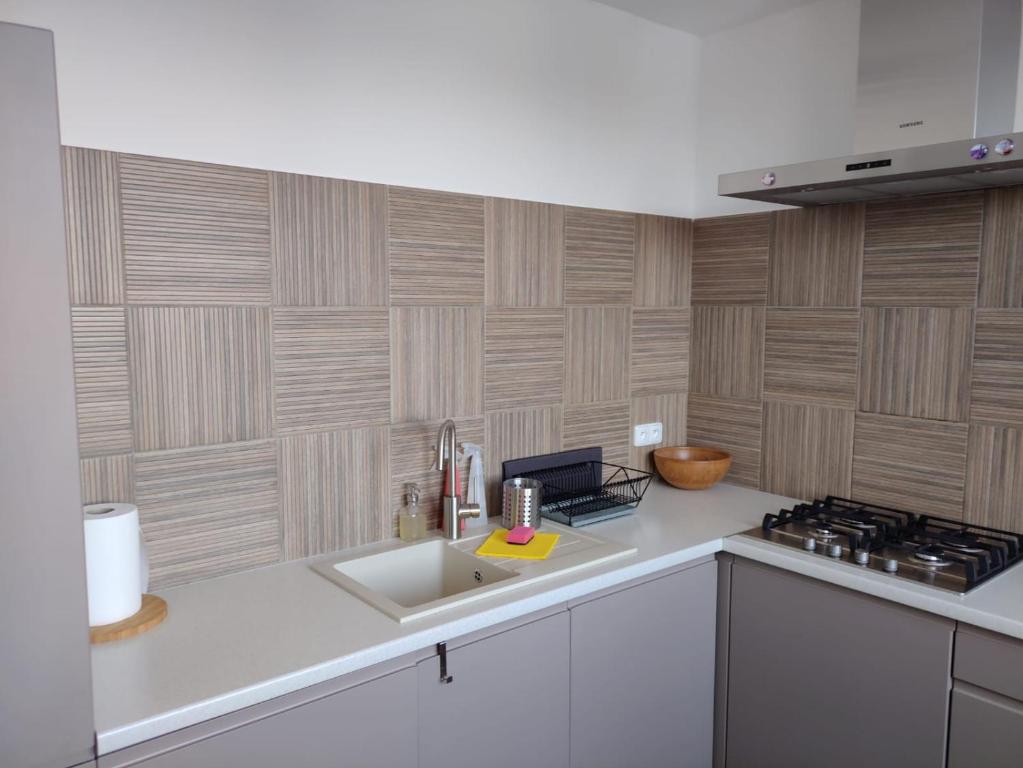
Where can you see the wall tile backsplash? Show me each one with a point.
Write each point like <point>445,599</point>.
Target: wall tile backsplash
<point>892,352</point>
<point>262,359</point>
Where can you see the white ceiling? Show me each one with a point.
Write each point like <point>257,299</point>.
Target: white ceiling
<point>703,17</point>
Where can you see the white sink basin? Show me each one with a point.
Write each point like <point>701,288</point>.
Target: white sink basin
<point>410,581</point>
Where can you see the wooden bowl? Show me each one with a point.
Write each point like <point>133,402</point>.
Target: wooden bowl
<point>691,468</point>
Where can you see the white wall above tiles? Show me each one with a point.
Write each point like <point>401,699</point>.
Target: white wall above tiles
<point>568,101</point>
<point>774,91</point>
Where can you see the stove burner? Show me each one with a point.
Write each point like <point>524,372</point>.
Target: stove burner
<point>931,554</point>
<point>862,525</point>
<point>825,531</point>
<point>961,541</point>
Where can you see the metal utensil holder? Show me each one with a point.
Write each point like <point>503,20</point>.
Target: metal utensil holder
<point>521,502</point>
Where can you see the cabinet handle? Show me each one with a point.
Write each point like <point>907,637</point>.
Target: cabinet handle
<point>442,651</point>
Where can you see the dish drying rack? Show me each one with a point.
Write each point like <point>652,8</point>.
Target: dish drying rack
<point>585,489</point>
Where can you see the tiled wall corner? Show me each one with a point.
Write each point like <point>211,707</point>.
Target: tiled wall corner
<point>892,352</point>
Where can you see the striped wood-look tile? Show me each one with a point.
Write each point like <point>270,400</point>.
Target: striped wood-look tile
<point>525,357</point>
<point>102,392</point>
<point>600,249</point>
<point>596,351</point>
<point>329,241</point>
<point>108,478</point>
<point>194,233</point>
<point>435,246</point>
<point>525,253</point>
<point>730,259</point>
<point>208,511</point>
<point>334,490</point>
<point>413,454</point>
<point>92,216</point>
<point>663,257</point>
<point>816,256</point>
<point>914,464</point>
<point>515,434</point>
<point>668,409</point>
<point>915,361</point>
<point>332,368</point>
<point>605,424</point>
<point>660,351</point>
<point>994,477</point>
<point>807,450</point>
<point>726,356</point>
<point>1001,254</point>
<point>811,355</point>
<point>923,251</point>
<point>997,387</point>
<point>436,362</point>
<point>729,425</point>
<point>200,375</point>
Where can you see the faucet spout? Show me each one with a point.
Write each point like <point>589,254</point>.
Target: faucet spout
<point>455,510</point>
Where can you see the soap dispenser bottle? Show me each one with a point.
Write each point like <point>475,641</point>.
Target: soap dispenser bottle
<point>411,521</point>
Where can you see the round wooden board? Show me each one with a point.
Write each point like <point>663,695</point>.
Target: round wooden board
<point>152,612</point>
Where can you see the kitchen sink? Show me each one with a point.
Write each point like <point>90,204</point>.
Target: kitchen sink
<point>411,581</point>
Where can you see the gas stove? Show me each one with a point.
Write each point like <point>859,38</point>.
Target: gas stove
<point>942,553</point>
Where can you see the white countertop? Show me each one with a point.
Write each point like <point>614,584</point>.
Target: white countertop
<point>238,640</point>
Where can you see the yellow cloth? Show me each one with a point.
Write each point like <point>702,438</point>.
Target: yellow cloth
<point>538,548</point>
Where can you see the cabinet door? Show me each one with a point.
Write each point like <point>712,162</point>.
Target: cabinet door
<point>986,730</point>
<point>506,705</point>
<point>819,675</point>
<point>372,725</point>
<point>643,674</point>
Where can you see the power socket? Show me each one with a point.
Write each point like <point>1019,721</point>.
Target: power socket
<point>647,434</point>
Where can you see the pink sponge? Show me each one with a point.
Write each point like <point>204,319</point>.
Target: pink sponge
<point>520,535</point>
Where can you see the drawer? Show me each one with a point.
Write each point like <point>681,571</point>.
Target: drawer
<point>989,660</point>
<point>986,730</point>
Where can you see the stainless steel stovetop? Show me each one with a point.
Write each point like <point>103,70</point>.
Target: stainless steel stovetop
<point>942,553</point>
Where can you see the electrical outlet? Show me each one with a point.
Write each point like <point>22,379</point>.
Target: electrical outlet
<point>647,434</point>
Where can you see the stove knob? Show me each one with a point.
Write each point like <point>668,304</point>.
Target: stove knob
<point>809,543</point>
<point>891,565</point>
<point>861,556</point>
<point>835,550</point>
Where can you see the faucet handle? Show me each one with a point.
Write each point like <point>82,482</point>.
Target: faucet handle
<point>468,510</point>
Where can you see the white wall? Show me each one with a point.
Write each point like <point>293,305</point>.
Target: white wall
<point>559,100</point>
<point>775,91</point>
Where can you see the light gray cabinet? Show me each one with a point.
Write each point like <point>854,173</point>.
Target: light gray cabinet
<point>986,729</point>
<point>987,701</point>
<point>643,674</point>
<point>370,725</point>
<point>506,704</point>
<point>46,688</point>
<point>819,675</point>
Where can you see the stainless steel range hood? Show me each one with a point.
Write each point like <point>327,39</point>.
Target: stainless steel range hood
<point>935,105</point>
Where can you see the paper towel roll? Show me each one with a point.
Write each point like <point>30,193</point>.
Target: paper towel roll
<point>115,562</point>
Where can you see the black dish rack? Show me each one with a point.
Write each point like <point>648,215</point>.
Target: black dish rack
<point>585,490</point>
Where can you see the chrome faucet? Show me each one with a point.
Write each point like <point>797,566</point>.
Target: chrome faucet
<point>455,510</point>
